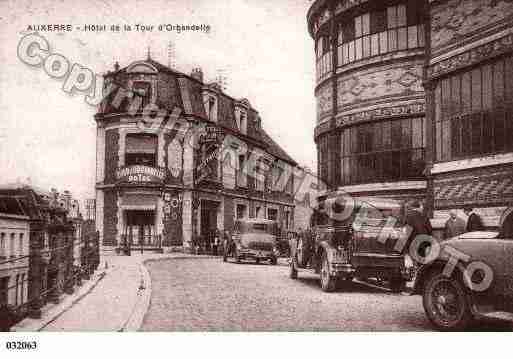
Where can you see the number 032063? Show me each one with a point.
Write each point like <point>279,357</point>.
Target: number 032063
<point>19,345</point>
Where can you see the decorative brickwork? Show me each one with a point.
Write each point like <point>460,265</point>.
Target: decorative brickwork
<point>473,56</point>
<point>379,84</point>
<point>478,187</point>
<point>324,101</point>
<point>457,20</point>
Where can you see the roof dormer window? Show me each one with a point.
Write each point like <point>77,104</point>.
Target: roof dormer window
<point>142,89</point>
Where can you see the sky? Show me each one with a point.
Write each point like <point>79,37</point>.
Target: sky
<point>262,46</point>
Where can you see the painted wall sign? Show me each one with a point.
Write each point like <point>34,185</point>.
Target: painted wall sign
<point>141,174</point>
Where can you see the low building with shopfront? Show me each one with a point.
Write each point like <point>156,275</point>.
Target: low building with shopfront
<point>178,160</point>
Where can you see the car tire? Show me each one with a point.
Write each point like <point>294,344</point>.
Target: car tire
<point>447,303</point>
<point>257,261</point>
<point>236,255</point>
<point>274,261</point>
<point>397,285</point>
<point>328,282</point>
<point>293,269</point>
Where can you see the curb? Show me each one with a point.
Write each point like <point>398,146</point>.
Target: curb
<point>67,303</point>
<point>134,322</point>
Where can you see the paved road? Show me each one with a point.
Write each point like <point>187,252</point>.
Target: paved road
<point>207,294</point>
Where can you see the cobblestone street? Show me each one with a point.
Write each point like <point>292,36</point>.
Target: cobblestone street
<point>207,294</point>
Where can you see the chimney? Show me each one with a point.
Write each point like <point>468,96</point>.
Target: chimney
<point>197,74</point>
<point>116,66</point>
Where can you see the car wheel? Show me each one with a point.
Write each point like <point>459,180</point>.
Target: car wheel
<point>328,282</point>
<point>274,261</point>
<point>397,285</point>
<point>257,261</point>
<point>447,303</point>
<point>236,255</point>
<point>293,269</point>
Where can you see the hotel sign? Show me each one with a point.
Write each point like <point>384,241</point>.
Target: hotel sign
<point>141,174</point>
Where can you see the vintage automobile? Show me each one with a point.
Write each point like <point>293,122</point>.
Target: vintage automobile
<point>471,291</point>
<point>353,238</point>
<point>252,239</point>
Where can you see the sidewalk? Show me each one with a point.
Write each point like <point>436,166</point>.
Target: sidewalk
<point>115,299</point>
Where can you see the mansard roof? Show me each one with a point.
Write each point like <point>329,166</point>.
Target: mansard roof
<point>177,89</point>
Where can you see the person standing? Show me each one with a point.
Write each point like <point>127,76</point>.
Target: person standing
<point>419,225</point>
<point>454,225</point>
<point>215,245</point>
<point>474,222</point>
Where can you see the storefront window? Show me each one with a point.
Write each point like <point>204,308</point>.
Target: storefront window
<point>141,149</point>
<point>382,151</point>
<point>474,111</point>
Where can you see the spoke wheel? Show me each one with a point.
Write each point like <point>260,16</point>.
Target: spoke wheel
<point>446,303</point>
<point>328,283</point>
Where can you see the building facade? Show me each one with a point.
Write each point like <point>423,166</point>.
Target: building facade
<point>178,159</point>
<point>469,84</point>
<point>415,101</point>
<point>371,124</point>
<point>38,244</point>
<point>14,253</point>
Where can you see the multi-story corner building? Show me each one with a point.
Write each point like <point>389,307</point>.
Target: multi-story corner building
<point>469,88</point>
<point>43,242</point>
<point>415,100</point>
<point>371,125</point>
<point>14,252</point>
<point>178,159</point>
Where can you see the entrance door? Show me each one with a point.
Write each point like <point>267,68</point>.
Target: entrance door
<point>208,222</point>
<point>140,228</point>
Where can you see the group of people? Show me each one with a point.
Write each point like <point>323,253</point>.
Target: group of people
<point>454,226</point>
<point>210,243</point>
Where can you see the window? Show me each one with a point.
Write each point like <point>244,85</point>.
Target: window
<point>241,172</point>
<point>209,167</point>
<point>20,245</point>
<point>322,160</point>
<point>3,253</point>
<point>141,149</point>
<point>324,61</point>
<point>12,251</point>
<point>257,211</point>
<point>142,89</point>
<point>382,31</point>
<point>240,211</point>
<point>272,214</point>
<point>22,289</point>
<point>474,111</point>
<point>4,288</point>
<point>383,151</point>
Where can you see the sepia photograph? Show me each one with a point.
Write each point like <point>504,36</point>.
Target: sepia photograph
<point>343,167</point>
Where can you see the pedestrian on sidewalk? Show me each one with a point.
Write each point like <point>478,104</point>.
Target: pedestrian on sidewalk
<point>454,225</point>
<point>474,222</point>
<point>215,245</point>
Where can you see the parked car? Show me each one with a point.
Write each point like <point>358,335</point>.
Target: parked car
<point>342,247</point>
<point>252,239</point>
<point>452,301</point>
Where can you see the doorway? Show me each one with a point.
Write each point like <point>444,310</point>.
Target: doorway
<point>208,222</point>
<point>140,228</point>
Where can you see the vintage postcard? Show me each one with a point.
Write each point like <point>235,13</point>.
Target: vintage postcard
<point>255,166</point>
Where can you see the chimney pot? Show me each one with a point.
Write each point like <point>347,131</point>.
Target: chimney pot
<point>116,66</point>
<point>197,73</point>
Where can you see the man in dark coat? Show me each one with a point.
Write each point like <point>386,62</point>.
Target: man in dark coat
<point>419,224</point>
<point>474,222</point>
